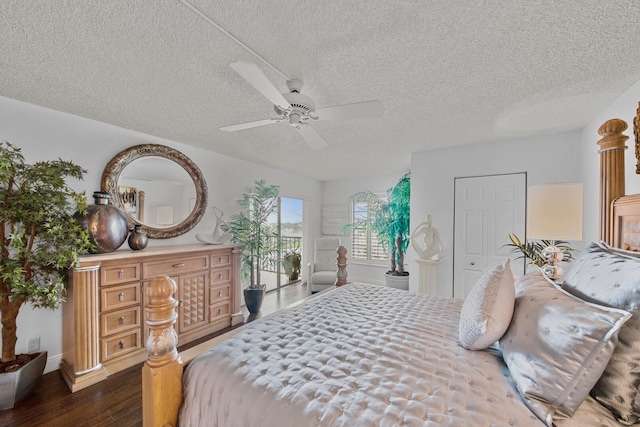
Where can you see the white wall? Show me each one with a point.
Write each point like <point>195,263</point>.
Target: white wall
<point>45,134</point>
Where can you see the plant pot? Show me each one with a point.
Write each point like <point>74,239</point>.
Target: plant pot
<point>398,282</point>
<point>14,386</point>
<point>253,298</point>
<point>293,277</point>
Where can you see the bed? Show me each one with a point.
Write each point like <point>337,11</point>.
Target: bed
<point>365,355</point>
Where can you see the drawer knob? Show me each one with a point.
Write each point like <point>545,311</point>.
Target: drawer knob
<point>179,265</point>
<point>220,311</point>
<point>219,276</point>
<point>121,344</point>
<point>121,296</point>
<point>220,294</point>
<point>121,274</point>
<point>220,260</point>
<point>121,320</point>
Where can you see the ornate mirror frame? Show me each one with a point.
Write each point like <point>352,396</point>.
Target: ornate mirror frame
<point>636,132</point>
<point>116,165</point>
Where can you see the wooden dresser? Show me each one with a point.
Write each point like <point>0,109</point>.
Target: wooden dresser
<point>103,318</point>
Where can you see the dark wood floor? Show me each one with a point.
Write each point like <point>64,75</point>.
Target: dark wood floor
<point>114,402</point>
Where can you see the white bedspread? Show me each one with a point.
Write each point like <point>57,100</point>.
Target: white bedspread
<point>362,355</point>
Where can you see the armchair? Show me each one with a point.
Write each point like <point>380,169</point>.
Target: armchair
<point>321,272</point>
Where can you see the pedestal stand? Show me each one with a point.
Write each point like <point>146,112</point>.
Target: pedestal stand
<point>428,270</point>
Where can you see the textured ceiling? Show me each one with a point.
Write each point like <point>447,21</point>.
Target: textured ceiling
<point>448,72</point>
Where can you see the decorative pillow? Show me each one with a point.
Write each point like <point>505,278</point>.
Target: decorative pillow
<point>557,346</point>
<point>611,277</point>
<point>487,309</point>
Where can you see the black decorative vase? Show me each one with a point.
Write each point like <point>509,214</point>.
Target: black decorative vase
<point>138,238</point>
<point>253,297</point>
<point>107,226</point>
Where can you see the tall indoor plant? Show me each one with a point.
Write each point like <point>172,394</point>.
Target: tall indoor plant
<point>39,236</point>
<point>259,238</point>
<point>389,219</point>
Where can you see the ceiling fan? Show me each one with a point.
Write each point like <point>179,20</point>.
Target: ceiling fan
<point>297,109</point>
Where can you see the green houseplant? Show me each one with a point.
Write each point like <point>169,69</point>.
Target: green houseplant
<point>39,236</point>
<point>389,220</point>
<point>532,250</point>
<point>259,238</point>
<point>292,263</point>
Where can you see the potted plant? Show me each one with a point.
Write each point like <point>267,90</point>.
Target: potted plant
<point>39,239</point>
<point>534,250</point>
<point>389,219</point>
<point>251,228</point>
<point>292,263</point>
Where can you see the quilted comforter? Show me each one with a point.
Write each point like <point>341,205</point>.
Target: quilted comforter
<point>362,355</point>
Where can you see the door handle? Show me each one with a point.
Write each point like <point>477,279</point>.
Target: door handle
<point>472,263</point>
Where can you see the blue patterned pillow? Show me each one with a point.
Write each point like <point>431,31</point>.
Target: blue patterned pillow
<point>611,277</point>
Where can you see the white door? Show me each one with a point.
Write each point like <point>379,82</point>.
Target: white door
<point>487,209</point>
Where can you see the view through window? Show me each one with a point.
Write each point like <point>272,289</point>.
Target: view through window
<point>364,242</point>
<point>285,267</point>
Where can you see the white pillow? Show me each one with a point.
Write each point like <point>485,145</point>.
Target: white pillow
<point>487,309</point>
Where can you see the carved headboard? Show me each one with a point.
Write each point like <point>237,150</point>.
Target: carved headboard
<point>619,213</point>
<point>626,222</point>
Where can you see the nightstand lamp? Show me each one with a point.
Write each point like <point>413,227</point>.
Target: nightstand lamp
<point>554,212</point>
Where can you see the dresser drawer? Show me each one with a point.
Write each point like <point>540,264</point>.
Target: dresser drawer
<point>116,274</point>
<point>219,311</point>
<point>220,275</point>
<point>122,296</point>
<point>221,259</point>
<point>219,294</point>
<point>120,344</point>
<point>119,321</point>
<point>175,266</point>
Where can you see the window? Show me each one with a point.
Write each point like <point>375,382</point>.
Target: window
<point>364,243</point>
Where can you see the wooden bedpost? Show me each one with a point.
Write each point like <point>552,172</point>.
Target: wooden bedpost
<point>162,372</point>
<point>342,266</point>
<point>611,172</point>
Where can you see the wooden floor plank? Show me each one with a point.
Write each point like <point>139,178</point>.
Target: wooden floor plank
<point>117,401</point>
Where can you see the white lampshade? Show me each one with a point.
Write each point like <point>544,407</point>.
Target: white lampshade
<point>554,211</point>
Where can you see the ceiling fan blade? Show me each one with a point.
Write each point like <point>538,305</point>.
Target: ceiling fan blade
<point>358,110</point>
<point>312,137</point>
<point>249,125</point>
<point>254,75</point>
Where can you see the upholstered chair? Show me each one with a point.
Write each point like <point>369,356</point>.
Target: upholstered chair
<point>321,272</point>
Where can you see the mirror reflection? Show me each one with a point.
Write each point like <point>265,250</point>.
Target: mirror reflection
<point>156,192</point>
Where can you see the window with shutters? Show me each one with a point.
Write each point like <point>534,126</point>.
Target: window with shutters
<point>364,243</point>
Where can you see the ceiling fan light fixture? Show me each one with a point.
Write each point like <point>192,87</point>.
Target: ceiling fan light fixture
<point>296,108</point>
<point>294,119</point>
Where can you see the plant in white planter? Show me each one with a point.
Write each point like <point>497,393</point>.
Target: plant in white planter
<point>389,219</point>
<point>260,239</point>
<point>39,238</point>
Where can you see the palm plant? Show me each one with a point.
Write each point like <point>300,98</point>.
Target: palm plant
<point>39,236</point>
<point>534,250</point>
<point>389,219</point>
<point>251,228</point>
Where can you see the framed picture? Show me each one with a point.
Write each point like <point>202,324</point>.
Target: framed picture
<point>129,199</point>
<point>334,217</point>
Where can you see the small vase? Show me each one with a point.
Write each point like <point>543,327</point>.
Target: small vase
<point>138,238</point>
<point>106,224</point>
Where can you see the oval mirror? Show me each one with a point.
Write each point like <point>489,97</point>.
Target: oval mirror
<point>157,187</point>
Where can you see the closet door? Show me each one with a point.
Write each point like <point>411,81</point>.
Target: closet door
<point>487,209</point>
